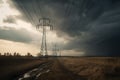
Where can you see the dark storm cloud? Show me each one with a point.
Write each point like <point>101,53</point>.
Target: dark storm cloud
<point>103,36</point>
<point>15,35</point>
<point>93,24</point>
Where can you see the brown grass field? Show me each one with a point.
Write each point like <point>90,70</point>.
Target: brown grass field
<point>11,67</point>
<point>63,68</point>
<point>94,68</point>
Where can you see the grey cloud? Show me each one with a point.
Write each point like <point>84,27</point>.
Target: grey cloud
<point>102,38</point>
<point>9,19</point>
<point>15,35</point>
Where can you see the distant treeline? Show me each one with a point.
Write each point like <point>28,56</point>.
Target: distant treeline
<point>15,54</point>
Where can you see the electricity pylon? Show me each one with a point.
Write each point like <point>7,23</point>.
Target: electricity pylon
<point>55,50</point>
<point>44,23</point>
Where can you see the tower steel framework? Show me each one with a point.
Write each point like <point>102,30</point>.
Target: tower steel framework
<point>44,23</point>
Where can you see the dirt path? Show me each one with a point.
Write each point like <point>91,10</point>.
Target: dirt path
<point>50,70</point>
<point>59,72</point>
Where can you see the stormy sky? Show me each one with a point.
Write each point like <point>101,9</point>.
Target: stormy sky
<point>81,27</point>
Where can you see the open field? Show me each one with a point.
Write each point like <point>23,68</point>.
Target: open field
<point>61,68</point>
<point>94,68</point>
<point>14,66</point>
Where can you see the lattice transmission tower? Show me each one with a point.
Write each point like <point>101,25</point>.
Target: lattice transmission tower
<point>55,50</point>
<point>43,24</point>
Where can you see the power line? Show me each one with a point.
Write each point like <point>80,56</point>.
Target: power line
<point>26,12</point>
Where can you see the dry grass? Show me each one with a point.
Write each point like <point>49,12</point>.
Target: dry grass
<point>11,67</point>
<point>90,68</point>
<point>59,72</point>
<point>94,68</point>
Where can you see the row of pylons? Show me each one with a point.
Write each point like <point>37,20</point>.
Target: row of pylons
<point>44,23</point>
